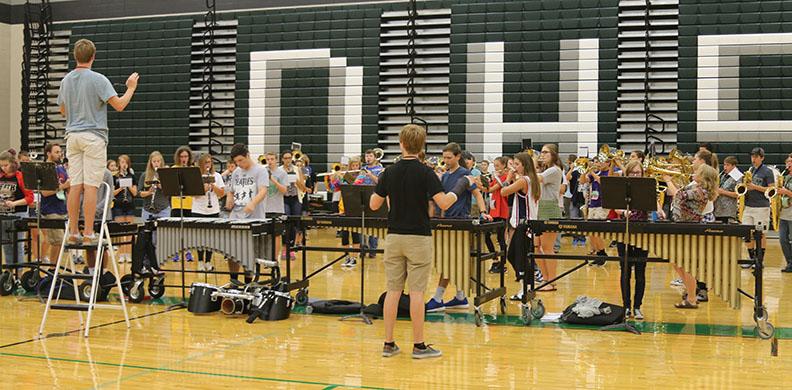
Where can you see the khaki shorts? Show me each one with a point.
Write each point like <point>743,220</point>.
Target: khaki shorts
<point>53,236</point>
<point>754,215</point>
<point>87,154</point>
<point>598,213</point>
<point>408,258</point>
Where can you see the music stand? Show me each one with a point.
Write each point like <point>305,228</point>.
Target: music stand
<point>356,204</point>
<point>38,176</point>
<point>181,181</point>
<point>617,193</point>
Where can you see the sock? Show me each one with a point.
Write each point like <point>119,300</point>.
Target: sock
<point>751,253</point>
<point>439,294</point>
<point>235,276</point>
<point>602,253</point>
<point>91,270</point>
<point>390,344</point>
<point>460,295</point>
<point>248,279</point>
<point>420,345</point>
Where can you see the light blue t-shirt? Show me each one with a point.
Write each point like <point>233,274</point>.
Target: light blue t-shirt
<point>85,93</point>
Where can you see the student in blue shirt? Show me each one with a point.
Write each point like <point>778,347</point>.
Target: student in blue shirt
<point>461,210</point>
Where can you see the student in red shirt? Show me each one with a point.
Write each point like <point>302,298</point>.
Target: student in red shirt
<point>499,210</point>
<point>14,200</point>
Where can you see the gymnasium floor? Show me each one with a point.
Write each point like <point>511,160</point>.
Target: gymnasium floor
<point>710,347</point>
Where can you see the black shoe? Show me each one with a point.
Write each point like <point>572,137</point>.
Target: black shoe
<point>788,269</point>
<point>702,296</point>
<point>496,268</point>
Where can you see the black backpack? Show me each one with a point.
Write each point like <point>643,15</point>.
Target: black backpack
<point>376,309</point>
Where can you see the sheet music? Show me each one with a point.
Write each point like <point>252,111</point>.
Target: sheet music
<point>125,182</point>
<point>736,174</point>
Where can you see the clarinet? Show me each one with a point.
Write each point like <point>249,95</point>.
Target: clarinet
<point>209,192</point>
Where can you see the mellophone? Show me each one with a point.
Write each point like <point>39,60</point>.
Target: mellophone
<point>709,252</point>
<point>242,241</point>
<point>457,248</point>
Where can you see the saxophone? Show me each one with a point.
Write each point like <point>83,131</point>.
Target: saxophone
<point>775,200</point>
<point>742,189</point>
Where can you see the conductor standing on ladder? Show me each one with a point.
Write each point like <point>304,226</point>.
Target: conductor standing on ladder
<point>83,99</point>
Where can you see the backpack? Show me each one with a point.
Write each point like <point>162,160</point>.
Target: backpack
<point>376,309</point>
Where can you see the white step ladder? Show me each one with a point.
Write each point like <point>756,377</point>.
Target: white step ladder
<point>104,242</point>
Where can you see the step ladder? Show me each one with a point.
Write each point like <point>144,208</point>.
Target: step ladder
<point>72,275</point>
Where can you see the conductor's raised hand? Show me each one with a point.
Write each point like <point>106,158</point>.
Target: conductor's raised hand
<point>132,81</point>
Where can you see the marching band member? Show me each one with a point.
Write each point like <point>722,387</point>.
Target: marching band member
<point>636,256</point>
<point>124,202</point>
<point>550,178</point>
<point>595,210</point>
<point>53,203</point>
<point>499,210</point>
<point>688,206</point>
<point>726,204</point>
<point>757,206</point>
<point>523,183</point>
<point>785,215</point>
<point>349,178</point>
<point>370,176</point>
<point>460,209</point>
<point>183,157</point>
<point>291,199</point>
<point>208,206</point>
<point>14,200</point>
<point>246,193</point>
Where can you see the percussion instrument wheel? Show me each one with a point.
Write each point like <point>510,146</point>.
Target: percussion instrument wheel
<point>126,282</point>
<point>537,309</point>
<point>30,280</point>
<point>765,331</point>
<point>7,283</point>
<point>478,317</point>
<point>156,288</point>
<point>302,297</point>
<point>308,309</point>
<point>525,315</point>
<point>85,291</point>
<point>136,293</point>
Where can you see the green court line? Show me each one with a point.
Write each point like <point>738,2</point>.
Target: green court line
<point>671,328</point>
<point>190,372</point>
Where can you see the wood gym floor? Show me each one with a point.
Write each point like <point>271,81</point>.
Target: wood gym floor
<point>711,347</point>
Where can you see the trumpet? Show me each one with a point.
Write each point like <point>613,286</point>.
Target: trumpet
<point>581,164</point>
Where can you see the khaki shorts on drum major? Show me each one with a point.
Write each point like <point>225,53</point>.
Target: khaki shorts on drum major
<point>87,154</point>
<point>408,258</point>
<point>754,215</point>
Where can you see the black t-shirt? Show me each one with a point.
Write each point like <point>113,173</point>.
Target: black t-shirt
<point>409,184</point>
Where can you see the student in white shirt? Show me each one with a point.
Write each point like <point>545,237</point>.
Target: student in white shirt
<point>208,206</point>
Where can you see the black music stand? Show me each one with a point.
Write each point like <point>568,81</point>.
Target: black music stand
<point>356,204</point>
<point>181,181</point>
<point>617,193</point>
<point>39,176</point>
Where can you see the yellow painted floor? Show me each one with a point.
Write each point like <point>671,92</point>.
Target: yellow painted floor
<point>178,349</point>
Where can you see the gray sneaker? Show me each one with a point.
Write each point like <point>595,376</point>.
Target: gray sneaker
<point>426,353</point>
<point>388,351</point>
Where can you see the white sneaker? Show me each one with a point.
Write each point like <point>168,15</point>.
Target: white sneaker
<point>201,266</point>
<point>676,282</point>
<point>638,315</point>
<point>208,267</point>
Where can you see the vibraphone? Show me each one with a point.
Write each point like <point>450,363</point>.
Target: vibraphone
<point>242,241</point>
<point>458,253</point>
<point>709,252</point>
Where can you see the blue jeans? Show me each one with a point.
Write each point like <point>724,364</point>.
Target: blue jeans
<point>785,238</point>
<point>149,216</point>
<point>291,206</point>
<point>18,246</point>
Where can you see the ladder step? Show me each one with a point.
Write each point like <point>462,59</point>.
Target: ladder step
<point>84,246</point>
<point>69,306</point>
<point>76,276</point>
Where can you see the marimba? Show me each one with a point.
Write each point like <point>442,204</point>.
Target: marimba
<point>458,249</point>
<point>242,241</point>
<point>709,252</point>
